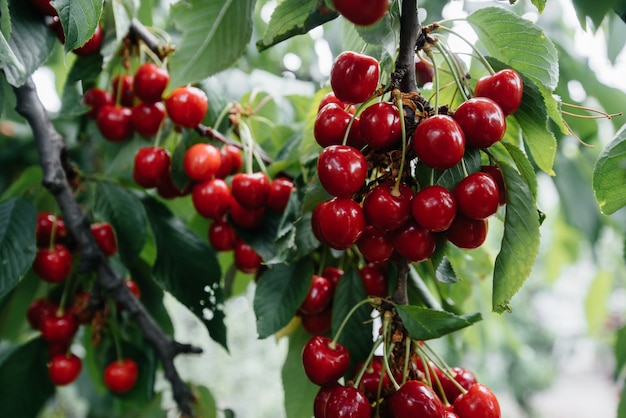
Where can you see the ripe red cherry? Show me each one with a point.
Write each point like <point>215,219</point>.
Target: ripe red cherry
<point>244,217</point>
<point>92,45</point>
<point>147,118</point>
<point>467,233</point>
<point>186,106</point>
<point>464,377</point>
<point>59,328</point>
<point>247,259</point>
<point>416,399</point>
<point>482,122</point>
<point>478,402</point>
<point>232,161</point>
<point>477,196</point>
<point>53,265</point>
<point>115,123</point>
<point>211,198</point>
<point>151,165</point>
<point>434,208</point>
<point>105,237</point>
<point>333,274</point>
<point>133,287</point>
<point>168,190</point>
<point>121,375</point>
<point>250,189</point>
<point>505,87</point>
<point>387,207</point>
<point>278,197</point>
<point>362,12</point>
<point>380,125</point>
<point>96,98</point>
<point>414,242</point>
<point>439,142</point>
<point>342,170</point>
<point>318,297</point>
<point>46,222</point>
<point>324,361</point>
<point>371,377</point>
<point>201,161</point>
<point>150,81</point>
<point>374,244</point>
<point>44,7</point>
<point>354,77</point>
<point>319,323</point>
<point>347,402</point>
<point>222,236</point>
<point>339,222</point>
<point>496,173</point>
<point>64,369</point>
<point>39,309</point>
<point>374,279</point>
<point>331,124</point>
<point>321,399</point>
<point>331,98</point>
<point>122,85</point>
<point>424,72</point>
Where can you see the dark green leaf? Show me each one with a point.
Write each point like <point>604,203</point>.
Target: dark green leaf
<point>279,293</point>
<point>619,349</point>
<point>262,238</point>
<point>609,175</point>
<point>299,391</point>
<point>83,71</point>
<point>426,324</point>
<point>29,177</point>
<point>5,19</point>
<point>79,19</point>
<point>595,10</point>
<point>450,177</point>
<point>445,273</point>
<point>205,405</point>
<point>17,241</point>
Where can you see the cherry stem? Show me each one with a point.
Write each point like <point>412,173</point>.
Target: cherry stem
<point>366,363</point>
<point>480,56</point>
<point>53,233</point>
<point>333,343</point>
<point>407,359</point>
<point>435,79</point>
<point>452,64</point>
<point>445,369</point>
<point>115,330</point>
<point>398,98</point>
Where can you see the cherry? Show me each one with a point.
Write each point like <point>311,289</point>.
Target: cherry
<point>388,207</point>
<point>424,72</point>
<point>211,198</point>
<point>324,361</point>
<point>374,244</point>
<point>64,369</point>
<point>133,287</point>
<point>232,161</point>
<point>246,259</point>
<point>151,165</point>
<point>105,237</point>
<point>342,170</point>
<point>58,348</point>
<point>96,98</point>
<point>505,87</point>
<point>362,12</point>
<point>415,398</point>
<point>478,402</point>
<point>53,265</point>
<point>46,222</point>
<point>250,189</point>
<point>59,328</point>
<point>39,309</point>
<point>477,196</point>
<point>92,45</point>
<point>168,190</point>
<point>186,106</point>
<point>318,297</point>
<point>331,124</point>
<point>202,161</point>
<point>370,381</point>
<point>439,142</point>
<point>333,274</point>
<point>496,173</point>
<point>123,92</point>
<point>434,208</point>
<point>467,233</point>
<point>44,7</point>
<point>147,118</point>
<point>244,217</point>
<point>380,125</point>
<point>414,242</point>
<point>278,197</point>
<point>374,279</point>
<point>150,82</point>
<point>331,98</point>
<point>354,77</point>
<point>56,27</point>
<point>338,222</point>
<point>482,121</point>
<point>321,399</point>
<point>347,402</point>
<point>115,123</point>
<point>222,236</point>
<point>462,376</point>
<point>319,323</point>
<point>121,375</point>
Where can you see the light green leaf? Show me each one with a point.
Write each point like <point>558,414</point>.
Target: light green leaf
<point>205,405</point>
<point>596,301</point>
<point>523,166</point>
<point>520,243</point>
<point>539,4</point>
<point>621,407</point>
<point>609,175</point>
<point>299,391</point>
<point>122,13</point>
<point>619,349</point>
<point>83,71</point>
<point>79,19</point>
<point>208,26</point>
<point>426,324</point>
<point>8,57</point>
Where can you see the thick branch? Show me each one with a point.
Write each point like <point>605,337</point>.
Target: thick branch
<point>409,31</point>
<point>52,151</point>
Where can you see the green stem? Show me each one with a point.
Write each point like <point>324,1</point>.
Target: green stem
<point>398,98</point>
<point>452,64</point>
<point>431,56</point>
<point>480,56</point>
<point>367,361</point>
<point>407,359</point>
<point>347,318</point>
<point>387,350</point>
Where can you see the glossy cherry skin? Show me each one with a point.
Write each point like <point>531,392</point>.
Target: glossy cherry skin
<point>133,287</point>
<point>374,279</point>
<point>96,98</point>
<point>150,166</point>
<point>319,323</point>
<point>149,82</point>
<point>115,123</point>
<point>46,224</point>
<point>64,369</point>
<point>496,173</point>
<point>424,72</point>
<point>59,328</point>
<point>380,126</point>
<point>386,207</point>
<point>120,376</point>
<point>324,362</point>
<point>342,170</point>
<point>39,309</point>
<point>477,196</point>
<point>375,245</point>
<point>331,98</point>
<point>333,274</point>
<point>44,7</point>
<point>478,402</point>
<point>318,297</point>
<point>246,259</point>
<point>244,217</point>
<point>464,377</point>
<point>347,402</point>
<point>251,190</point>
<point>414,242</point>
<point>415,399</point>
<point>53,265</point>
<point>232,161</point>
<point>467,233</point>
<point>505,87</point>
<point>123,83</point>
<point>434,208</point>
<point>362,12</point>
<point>92,45</point>
<point>331,124</point>
<point>222,236</point>
<point>211,198</point>
<point>321,399</point>
<point>278,197</point>
<point>168,190</point>
<point>354,77</point>
<point>147,118</point>
<point>372,376</point>
<point>202,161</point>
<point>105,237</point>
<point>186,106</point>
<point>482,121</point>
<point>339,222</point>
<point>439,142</point>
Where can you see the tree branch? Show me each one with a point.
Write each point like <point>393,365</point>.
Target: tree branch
<point>410,29</point>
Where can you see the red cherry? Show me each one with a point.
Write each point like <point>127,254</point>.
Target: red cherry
<point>347,402</point>
<point>387,207</point>
<point>424,72</point>
<point>331,124</point>
<point>150,82</point>
<point>278,197</point>
<point>342,170</point>
<point>321,399</point>
<point>59,328</point>
<point>53,265</point>
<point>439,142</point>
<point>147,118</point>
<point>372,376</point>
<point>46,222</point>
<point>123,83</point>
<point>324,361</point>
<point>362,12</point>
<point>80,308</point>
<point>45,7</point>
<point>380,126</point>
<point>374,279</point>
<point>331,98</point>
<point>244,217</point>
<point>64,369</point>
<point>121,375</point>
<point>133,287</point>
<point>478,402</point>
<point>333,274</point>
<point>482,122</point>
<point>505,87</point>
<point>232,161</point>
<point>92,45</point>
<point>375,245</point>
<point>250,189</point>
<point>115,123</point>
<point>415,398</point>
<point>339,222</point>
<point>186,106</point>
<point>151,165</point>
<point>434,208</point>
<point>354,77</point>
<point>318,297</point>
<point>319,323</point>
<point>39,309</point>
<point>246,259</point>
<point>58,348</point>
<point>462,376</point>
<point>477,196</point>
<point>168,190</point>
<point>105,237</point>
<point>96,98</point>
<point>222,236</point>
<point>211,198</point>
<point>496,173</point>
<point>467,233</point>
<point>202,161</point>
<point>414,242</point>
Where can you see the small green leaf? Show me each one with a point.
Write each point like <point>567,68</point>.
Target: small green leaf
<point>520,243</point>
<point>619,350</point>
<point>299,391</point>
<point>204,405</point>
<point>17,241</point>
<point>79,19</point>
<point>445,273</point>
<point>609,175</point>
<point>426,324</point>
<point>539,4</point>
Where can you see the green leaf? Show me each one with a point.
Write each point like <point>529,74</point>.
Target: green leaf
<point>207,27</point>
<point>8,57</point>
<point>445,273</point>
<point>187,268</point>
<point>619,349</point>
<point>523,166</point>
<point>25,367</point>
<point>621,407</point>
<point>596,301</point>
<point>84,71</point>
<point>426,324</point>
<point>29,177</point>
<point>79,19</point>
<point>595,10</point>
<point>17,241</point>
<point>204,404</point>
<point>520,243</point>
<point>122,13</point>
<point>539,4</point>
<point>5,19</point>
<point>609,175</point>
<point>299,391</point>
<point>279,293</point>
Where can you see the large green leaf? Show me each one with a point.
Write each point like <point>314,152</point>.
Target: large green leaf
<point>79,19</point>
<point>595,10</point>
<point>209,26</point>
<point>17,241</point>
<point>83,71</point>
<point>299,391</point>
<point>609,175</point>
<point>426,324</point>
<point>187,267</point>
<point>520,243</point>
<point>5,19</point>
<point>8,57</point>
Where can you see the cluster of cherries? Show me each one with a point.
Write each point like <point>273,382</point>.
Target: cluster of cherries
<point>362,12</point>
<point>57,322</point>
